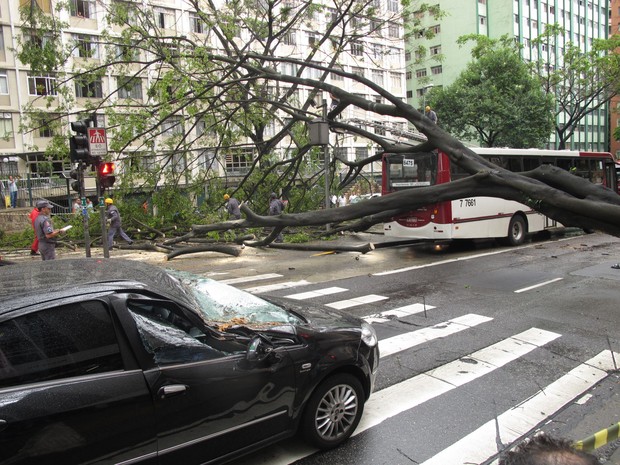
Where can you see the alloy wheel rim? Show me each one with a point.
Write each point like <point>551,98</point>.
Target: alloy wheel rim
<point>336,412</point>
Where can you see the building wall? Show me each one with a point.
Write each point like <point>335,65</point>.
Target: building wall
<point>525,20</point>
<point>614,114</point>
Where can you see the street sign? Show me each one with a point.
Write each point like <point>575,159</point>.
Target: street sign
<point>97,141</point>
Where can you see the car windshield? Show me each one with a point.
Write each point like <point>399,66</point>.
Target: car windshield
<point>225,304</point>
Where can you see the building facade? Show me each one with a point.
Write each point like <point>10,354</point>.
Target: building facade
<point>378,55</point>
<point>583,21</point>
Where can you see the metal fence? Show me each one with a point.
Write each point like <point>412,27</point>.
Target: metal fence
<point>54,189</point>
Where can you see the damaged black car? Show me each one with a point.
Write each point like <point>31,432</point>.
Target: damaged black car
<point>116,361</point>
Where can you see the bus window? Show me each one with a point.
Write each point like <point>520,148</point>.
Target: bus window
<point>411,170</point>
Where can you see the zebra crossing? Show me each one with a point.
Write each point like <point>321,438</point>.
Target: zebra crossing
<point>483,442</point>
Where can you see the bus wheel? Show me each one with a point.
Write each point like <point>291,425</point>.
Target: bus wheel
<point>517,230</point>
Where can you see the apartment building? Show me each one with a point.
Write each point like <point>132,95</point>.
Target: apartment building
<point>378,55</point>
<point>583,21</point>
<point>614,114</point>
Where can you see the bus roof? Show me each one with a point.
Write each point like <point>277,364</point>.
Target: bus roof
<point>536,152</point>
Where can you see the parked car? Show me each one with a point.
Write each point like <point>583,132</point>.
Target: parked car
<point>116,361</point>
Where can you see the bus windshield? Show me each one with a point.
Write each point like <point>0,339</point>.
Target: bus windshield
<point>405,171</point>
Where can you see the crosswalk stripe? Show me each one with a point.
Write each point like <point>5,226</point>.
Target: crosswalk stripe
<point>405,341</point>
<point>316,293</point>
<point>400,312</point>
<point>482,444</point>
<point>414,391</point>
<point>361,300</point>
<point>276,287</point>
<point>246,279</point>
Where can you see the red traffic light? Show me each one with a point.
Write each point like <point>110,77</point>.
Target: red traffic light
<point>106,169</point>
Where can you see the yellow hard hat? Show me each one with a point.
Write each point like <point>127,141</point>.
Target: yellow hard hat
<point>108,201</point>
<point>226,196</point>
<point>427,108</point>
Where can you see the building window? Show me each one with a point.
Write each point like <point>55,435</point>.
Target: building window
<point>46,127</point>
<point>393,6</point>
<point>83,8</point>
<point>87,46</point>
<point>408,75</point>
<point>436,69</point>
<point>393,31</point>
<point>483,20</point>
<point>420,73</point>
<point>4,83</point>
<point>164,18</point>
<point>129,87</point>
<point>290,38</point>
<point>409,94</point>
<point>361,153</point>
<point>357,48</point>
<point>6,125</point>
<point>239,160</point>
<point>436,29</point>
<point>357,71</point>
<point>396,80</point>
<point>85,88</point>
<point>375,27</point>
<point>196,24</point>
<point>336,77</point>
<point>313,39</point>
<point>44,5</point>
<point>42,85</point>
<point>482,2</point>
<point>377,77</point>
<point>172,126</point>
<point>436,50</point>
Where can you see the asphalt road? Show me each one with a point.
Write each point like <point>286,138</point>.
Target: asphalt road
<point>481,345</point>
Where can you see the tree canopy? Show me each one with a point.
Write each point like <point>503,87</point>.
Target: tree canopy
<point>247,94</point>
<point>495,101</point>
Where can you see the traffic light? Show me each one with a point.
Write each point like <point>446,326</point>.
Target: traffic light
<point>79,148</point>
<point>105,172</point>
<point>75,184</point>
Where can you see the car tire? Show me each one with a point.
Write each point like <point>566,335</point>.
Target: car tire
<point>517,231</point>
<point>333,411</point>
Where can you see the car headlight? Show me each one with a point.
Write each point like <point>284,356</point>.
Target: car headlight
<point>369,335</point>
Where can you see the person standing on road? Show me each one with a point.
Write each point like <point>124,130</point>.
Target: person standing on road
<point>232,207</point>
<point>430,114</point>
<point>45,231</point>
<point>34,247</point>
<point>114,220</point>
<point>13,191</point>
<point>276,207</point>
<point>77,206</point>
<point>545,450</point>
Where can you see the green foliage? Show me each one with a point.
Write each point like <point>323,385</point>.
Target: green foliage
<point>495,100</point>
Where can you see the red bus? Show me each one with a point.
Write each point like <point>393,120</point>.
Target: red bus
<point>481,217</point>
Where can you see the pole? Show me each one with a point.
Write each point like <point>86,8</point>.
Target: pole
<point>326,165</point>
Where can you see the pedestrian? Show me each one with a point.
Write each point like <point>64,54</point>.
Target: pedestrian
<point>232,207</point>
<point>276,206</point>
<point>34,247</point>
<point>45,231</point>
<point>77,206</point>
<point>545,450</point>
<point>3,203</point>
<point>13,191</point>
<point>430,114</point>
<point>89,205</point>
<point>114,221</point>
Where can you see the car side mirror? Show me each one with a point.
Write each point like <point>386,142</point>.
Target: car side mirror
<point>259,349</point>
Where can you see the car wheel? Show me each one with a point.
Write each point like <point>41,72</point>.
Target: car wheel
<point>333,411</point>
<point>517,230</point>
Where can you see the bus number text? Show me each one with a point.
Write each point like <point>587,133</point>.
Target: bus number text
<point>468,202</point>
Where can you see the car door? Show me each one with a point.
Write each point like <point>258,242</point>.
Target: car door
<point>67,393</point>
<point>210,401</point>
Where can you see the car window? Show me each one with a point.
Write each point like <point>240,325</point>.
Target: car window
<point>170,337</point>
<point>60,342</point>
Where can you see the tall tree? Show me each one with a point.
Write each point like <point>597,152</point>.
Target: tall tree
<point>581,82</point>
<point>236,88</point>
<point>495,100</point>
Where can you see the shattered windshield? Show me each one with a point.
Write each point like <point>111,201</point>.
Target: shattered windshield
<point>225,304</point>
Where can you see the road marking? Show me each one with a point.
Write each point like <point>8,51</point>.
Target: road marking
<point>400,312</point>
<point>361,300</point>
<point>276,287</point>
<point>316,293</point>
<point>538,285</point>
<point>481,444</point>
<point>405,341</point>
<point>248,279</point>
<point>412,392</point>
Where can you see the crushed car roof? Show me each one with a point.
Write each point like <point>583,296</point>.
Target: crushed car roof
<point>24,283</point>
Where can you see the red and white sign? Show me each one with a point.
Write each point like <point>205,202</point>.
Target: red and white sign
<point>97,141</point>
